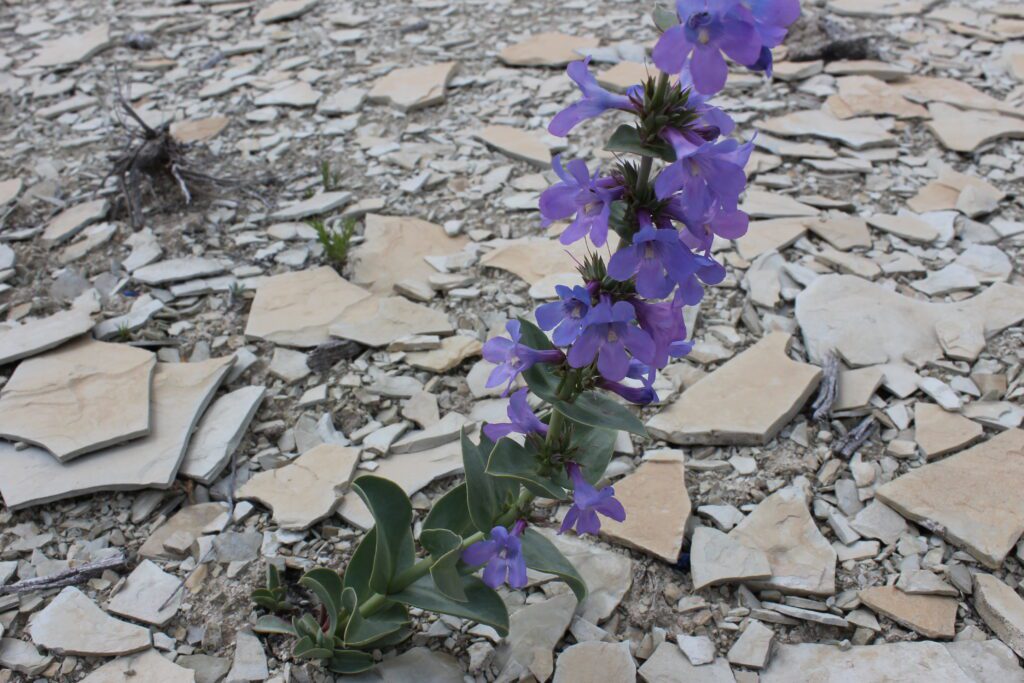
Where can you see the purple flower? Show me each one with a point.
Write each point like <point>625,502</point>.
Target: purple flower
<point>706,29</point>
<point>641,395</point>
<point>608,333</point>
<point>523,419</point>
<point>663,321</point>
<point>503,555</point>
<point>587,502</point>
<point>513,357</point>
<point>596,100</point>
<point>565,315</point>
<point>655,256</point>
<point>690,292</point>
<point>772,19</point>
<point>589,197</point>
<point>712,170</point>
<point>706,221</point>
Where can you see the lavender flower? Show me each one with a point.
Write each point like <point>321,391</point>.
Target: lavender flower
<point>641,395</point>
<point>596,100</point>
<point>608,333</point>
<point>705,270</point>
<point>772,19</point>
<point>655,256</point>
<point>503,555</point>
<point>706,29</point>
<point>587,502</point>
<point>566,315</point>
<point>712,170</point>
<point>588,197</point>
<point>663,321</point>
<point>706,220</point>
<point>513,357</point>
<point>523,421</point>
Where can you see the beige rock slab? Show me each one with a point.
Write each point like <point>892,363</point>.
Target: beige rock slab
<point>905,226</point>
<point>70,50</point>
<point>914,662</point>
<point>939,432</point>
<point>284,10</point>
<point>453,351</point>
<point>951,91</point>
<point>316,205</point>
<point>298,309</point>
<point>534,631</point>
<point>180,394</point>
<point>547,49</point>
<point>411,471</point>
<point>933,616</point>
<point>191,522</point>
<point>198,130</point>
<point>393,249</point>
<point>972,498</point>
<point>149,666</point>
<point>80,398</point>
<point>415,87</point>
<point>72,624</point>
<point>298,94</point>
<point>607,573</point>
<point>761,204</point>
<point>669,665</point>
<point>517,143</point>
<point>857,133</point>
<point>595,661</point>
<point>378,321</point>
<point>746,401</point>
<point>986,660</point>
<point>716,559</point>
<point>765,236</point>
<point>1002,608</point>
<point>657,507</point>
<point>23,339</point>
<point>307,489</point>
<point>146,589</point>
<point>802,561</point>
<point>534,258</point>
<point>867,95</point>
<point>868,324</point>
<point>856,387</point>
<point>846,262</point>
<point>966,131</point>
<point>9,190</point>
<point>70,222</point>
<point>219,433</point>
<point>842,232</point>
<point>624,76</point>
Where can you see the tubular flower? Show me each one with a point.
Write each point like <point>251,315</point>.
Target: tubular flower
<point>566,315</point>
<point>588,197</point>
<point>608,334</point>
<point>655,256</point>
<point>587,502</point>
<point>512,357</point>
<point>712,170</point>
<point>523,421</point>
<point>503,555</point>
<point>596,100</point>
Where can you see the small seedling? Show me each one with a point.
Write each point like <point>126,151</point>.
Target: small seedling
<point>330,179</point>
<point>335,244</point>
<point>124,333</point>
<point>273,597</point>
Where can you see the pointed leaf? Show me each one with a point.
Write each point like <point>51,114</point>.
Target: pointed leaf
<point>445,548</point>
<point>357,574</point>
<point>509,459</point>
<point>327,586</point>
<point>350,662</point>
<point>486,495</point>
<point>592,448</point>
<point>392,514</point>
<point>451,512</point>
<point>597,410</point>
<point>627,139</point>
<point>305,648</point>
<point>269,623</point>
<point>542,555</point>
<point>364,631</point>
<point>482,605</point>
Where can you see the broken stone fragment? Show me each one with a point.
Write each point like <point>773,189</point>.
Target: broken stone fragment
<point>1002,609</point>
<point>219,433</point>
<point>547,49</point>
<point>414,87</point>
<point>191,522</point>
<point>716,559</point>
<point>72,624</point>
<point>932,616</point>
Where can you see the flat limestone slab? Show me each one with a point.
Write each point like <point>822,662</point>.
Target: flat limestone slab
<point>973,498</point>
<point>297,309</point>
<point>744,402</point>
<point>181,392</point>
<point>69,50</point>
<point>1002,608</point>
<point>933,616</point>
<point>920,662</point>
<point>856,133</point>
<point>547,49</point>
<point>534,258</point>
<point>669,665</point>
<point>415,87</point>
<point>657,507</point>
<point>517,143</point>
<point>219,433</point>
<point>21,340</point>
<point>189,523</point>
<point>314,206</point>
<point>146,589</point>
<point>72,624</point>
<point>938,431</point>
<point>80,398</point>
<point>149,666</point>
<point>868,324</point>
<point>307,489</point>
<point>715,559</point>
<point>70,222</point>
<point>378,321</point>
<point>801,560</point>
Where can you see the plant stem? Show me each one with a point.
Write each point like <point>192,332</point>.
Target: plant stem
<point>646,162</point>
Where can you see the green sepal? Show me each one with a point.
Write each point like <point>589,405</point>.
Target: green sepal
<point>350,662</point>
<point>445,548</point>
<point>596,409</point>
<point>509,459</point>
<point>626,138</point>
<point>326,584</point>
<point>451,512</point>
<point>392,514</point>
<point>486,495</point>
<point>483,604</point>
<point>542,555</point>
<point>664,18</point>
<point>275,625</point>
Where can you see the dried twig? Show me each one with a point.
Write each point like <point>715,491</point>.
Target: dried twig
<point>829,388</point>
<point>850,443</point>
<point>68,577</point>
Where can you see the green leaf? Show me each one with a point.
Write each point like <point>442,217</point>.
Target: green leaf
<point>445,548</point>
<point>509,459</point>
<point>482,605</point>
<point>327,586</point>
<point>597,410</point>
<point>307,625</point>
<point>305,648</point>
<point>350,662</point>
<point>364,631</point>
<point>273,578</point>
<point>592,449</point>
<point>451,512</point>
<point>392,514</point>
<point>617,220</point>
<point>664,18</point>
<point>542,380</point>
<point>360,567</point>
<point>627,139</point>
<point>486,495</point>
<point>269,623</point>
<point>542,555</point>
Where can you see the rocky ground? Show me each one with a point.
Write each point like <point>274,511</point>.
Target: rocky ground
<point>833,487</point>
